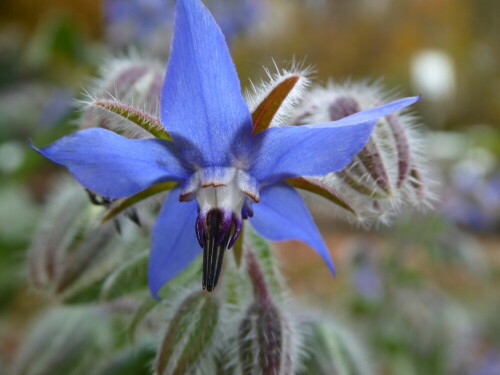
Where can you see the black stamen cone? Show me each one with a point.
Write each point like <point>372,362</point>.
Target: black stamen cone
<point>214,248</point>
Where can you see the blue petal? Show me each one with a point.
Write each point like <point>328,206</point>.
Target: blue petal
<point>115,166</point>
<point>282,215</point>
<point>201,102</point>
<point>174,244</point>
<point>372,113</point>
<point>315,150</point>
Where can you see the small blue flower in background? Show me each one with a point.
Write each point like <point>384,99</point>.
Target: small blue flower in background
<point>130,21</point>
<point>225,168</point>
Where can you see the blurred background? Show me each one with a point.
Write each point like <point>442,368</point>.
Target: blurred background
<point>421,295</point>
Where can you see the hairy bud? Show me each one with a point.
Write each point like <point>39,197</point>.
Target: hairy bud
<point>70,251</point>
<point>265,334</point>
<point>389,171</point>
<point>66,340</point>
<point>190,335</point>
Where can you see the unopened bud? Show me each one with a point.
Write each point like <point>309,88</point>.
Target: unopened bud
<point>66,339</point>
<point>70,251</point>
<point>265,340</point>
<point>383,175</point>
<point>190,335</point>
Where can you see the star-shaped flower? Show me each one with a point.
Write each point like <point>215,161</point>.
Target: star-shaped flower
<point>227,167</point>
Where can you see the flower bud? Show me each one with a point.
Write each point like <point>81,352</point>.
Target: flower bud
<point>70,251</point>
<point>265,339</point>
<point>388,172</point>
<point>261,340</point>
<point>190,335</point>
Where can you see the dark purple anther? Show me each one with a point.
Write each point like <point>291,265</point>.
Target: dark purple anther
<point>247,210</point>
<point>216,231</point>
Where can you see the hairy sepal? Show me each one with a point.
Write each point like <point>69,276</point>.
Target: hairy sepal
<point>123,204</point>
<point>272,102</point>
<point>126,279</point>
<point>316,186</point>
<point>190,334</point>
<point>136,116</point>
<point>189,276</point>
<point>263,115</point>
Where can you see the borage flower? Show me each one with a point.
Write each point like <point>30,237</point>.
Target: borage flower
<point>226,165</point>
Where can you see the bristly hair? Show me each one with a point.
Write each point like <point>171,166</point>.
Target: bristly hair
<point>257,93</point>
<point>127,80</point>
<point>376,207</point>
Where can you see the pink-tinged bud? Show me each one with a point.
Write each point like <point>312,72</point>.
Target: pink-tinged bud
<point>383,176</point>
<point>266,338</point>
<point>261,340</point>
<point>190,335</point>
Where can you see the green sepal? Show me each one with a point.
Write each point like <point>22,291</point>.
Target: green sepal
<point>138,117</point>
<point>190,334</point>
<point>263,115</point>
<point>315,186</point>
<point>131,277</point>
<point>122,204</point>
<point>265,256</point>
<point>185,278</point>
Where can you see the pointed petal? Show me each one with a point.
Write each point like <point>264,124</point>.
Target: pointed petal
<point>372,113</point>
<point>174,244</point>
<point>201,101</point>
<point>315,150</point>
<point>295,151</point>
<point>115,166</point>
<point>282,215</point>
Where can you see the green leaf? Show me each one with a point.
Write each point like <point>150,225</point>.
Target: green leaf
<point>144,309</point>
<point>136,116</point>
<point>263,115</point>
<point>130,277</point>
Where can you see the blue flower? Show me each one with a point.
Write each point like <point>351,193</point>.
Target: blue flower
<point>225,170</point>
